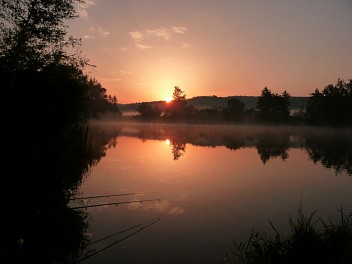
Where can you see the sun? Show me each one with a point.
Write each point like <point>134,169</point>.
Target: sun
<point>168,99</point>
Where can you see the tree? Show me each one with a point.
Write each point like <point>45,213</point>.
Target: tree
<point>314,107</point>
<point>41,66</point>
<point>33,33</point>
<point>148,112</point>
<point>98,101</point>
<point>36,69</point>
<point>273,107</point>
<point>177,108</point>
<point>264,104</point>
<point>331,106</point>
<point>179,95</point>
<point>113,107</point>
<point>44,95</point>
<point>282,106</point>
<point>235,109</point>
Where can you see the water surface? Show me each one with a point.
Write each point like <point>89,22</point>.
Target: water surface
<point>214,183</point>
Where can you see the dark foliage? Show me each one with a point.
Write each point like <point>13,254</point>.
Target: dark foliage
<point>273,107</point>
<point>332,106</point>
<point>46,143</point>
<point>149,111</point>
<point>177,109</point>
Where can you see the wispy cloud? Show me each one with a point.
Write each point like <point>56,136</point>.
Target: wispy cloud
<point>180,30</point>
<point>100,31</point>
<point>141,38</point>
<point>103,32</point>
<point>138,38</point>
<point>159,32</point>
<point>88,36</point>
<point>123,72</point>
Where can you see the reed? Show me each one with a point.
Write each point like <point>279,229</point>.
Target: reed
<point>310,240</point>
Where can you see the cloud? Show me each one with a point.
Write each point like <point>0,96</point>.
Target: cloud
<point>143,46</point>
<point>141,38</point>
<point>123,72</point>
<point>136,35</point>
<point>180,30</point>
<point>138,38</point>
<point>83,6</point>
<point>88,36</point>
<point>159,32</point>
<point>102,32</point>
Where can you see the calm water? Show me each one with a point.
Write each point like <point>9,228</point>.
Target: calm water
<point>214,183</point>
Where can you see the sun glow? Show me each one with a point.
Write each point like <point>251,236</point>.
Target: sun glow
<point>168,99</point>
<point>167,142</point>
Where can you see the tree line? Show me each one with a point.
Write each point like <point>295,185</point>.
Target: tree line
<point>331,106</point>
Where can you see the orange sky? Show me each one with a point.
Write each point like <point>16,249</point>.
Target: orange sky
<point>143,48</point>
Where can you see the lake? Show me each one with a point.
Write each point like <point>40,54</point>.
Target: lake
<point>203,186</point>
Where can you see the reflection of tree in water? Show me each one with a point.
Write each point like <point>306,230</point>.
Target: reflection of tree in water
<point>45,172</point>
<point>333,151</point>
<point>178,149</point>
<point>271,142</point>
<point>234,143</point>
<point>270,145</point>
<point>45,167</point>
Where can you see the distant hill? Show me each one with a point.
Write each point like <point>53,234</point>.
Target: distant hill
<point>203,102</point>
<point>296,103</point>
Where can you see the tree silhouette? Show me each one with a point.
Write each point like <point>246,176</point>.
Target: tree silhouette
<point>331,106</point>
<point>33,33</point>
<point>177,109</point>
<point>273,107</point>
<point>98,101</point>
<point>235,109</point>
<point>148,111</point>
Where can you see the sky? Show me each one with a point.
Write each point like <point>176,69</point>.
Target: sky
<point>142,49</point>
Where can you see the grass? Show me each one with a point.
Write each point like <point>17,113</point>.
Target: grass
<point>310,240</point>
